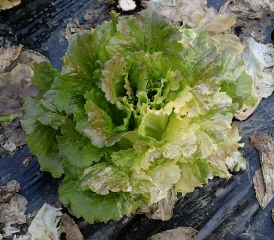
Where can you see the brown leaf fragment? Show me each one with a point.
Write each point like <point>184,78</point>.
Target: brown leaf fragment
<point>27,57</point>
<point>180,233</point>
<point>70,228</point>
<point>91,15</point>
<point>246,8</point>
<point>8,55</point>
<point>252,17</point>
<point>12,208</point>
<point>193,13</point>
<point>272,214</point>
<point>189,12</point>
<point>163,209</point>
<point>7,4</point>
<point>6,192</point>
<point>259,186</point>
<point>16,72</point>
<point>12,136</point>
<point>265,147</point>
<point>73,27</point>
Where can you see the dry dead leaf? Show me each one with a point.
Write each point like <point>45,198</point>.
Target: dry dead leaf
<point>73,26</point>
<point>70,228</point>
<point>12,208</point>
<point>91,15</point>
<point>180,233</point>
<point>246,8</point>
<point>6,192</point>
<point>195,14</point>
<point>7,4</point>
<point>163,209</point>
<point>252,16</point>
<point>8,55</point>
<point>44,224</point>
<point>246,111</point>
<point>264,179</point>
<point>16,71</point>
<point>189,12</point>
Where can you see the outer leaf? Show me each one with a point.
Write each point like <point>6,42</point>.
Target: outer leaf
<point>76,148</point>
<point>102,178</point>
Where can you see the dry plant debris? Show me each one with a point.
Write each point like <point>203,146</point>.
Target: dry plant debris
<point>7,4</point>
<point>12,208</point>
<point>180,233</point>
<point>264,178</point>
<point>161,210</point>
<point>16,72</point>
<point>44,224</point>
<point>70,228</point>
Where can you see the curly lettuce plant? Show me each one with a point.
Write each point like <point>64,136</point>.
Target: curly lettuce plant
<point>139,108</point>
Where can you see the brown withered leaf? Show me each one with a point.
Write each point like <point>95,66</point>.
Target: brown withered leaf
<point>8,55</point>
<point>16,71</point>
<point>246,8</point>
<point>7,4</point>
<point>73,27</point>
<point>12,208</point>
<point>6,192</point>
<point>252,17</point>
<point>163,209</point>
<point>264,179</point>
<point>180,233</point>
<point>70,228</point>
<point>194,13</point>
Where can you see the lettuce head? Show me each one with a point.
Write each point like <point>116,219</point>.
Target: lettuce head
<point>139,108</point>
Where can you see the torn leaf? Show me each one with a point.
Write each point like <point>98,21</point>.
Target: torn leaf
<point>70,228</point>
<point>264,180</point>
<point>180,233</point>
<point>44,225</point>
